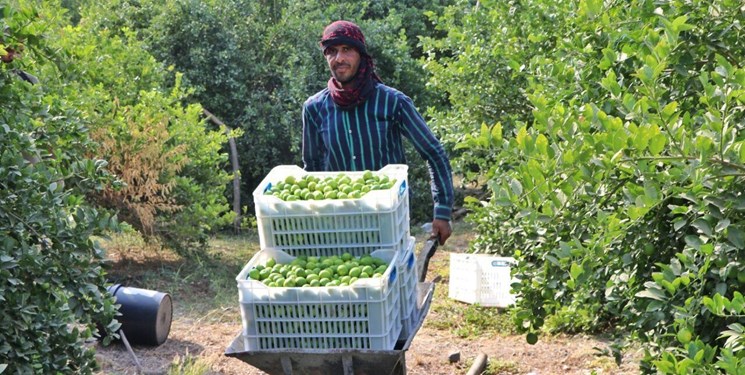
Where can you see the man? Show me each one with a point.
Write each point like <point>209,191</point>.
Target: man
<point>357,122</point>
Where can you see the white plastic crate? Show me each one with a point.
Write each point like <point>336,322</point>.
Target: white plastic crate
<point>481,279</point>
<point>378,219</point>
<point>408,279</point>
<point>364,315</point>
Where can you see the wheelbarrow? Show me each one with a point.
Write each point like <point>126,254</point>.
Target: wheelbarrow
<point>344,361</point>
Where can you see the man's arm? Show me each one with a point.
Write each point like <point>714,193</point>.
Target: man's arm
<point>314,152</point>
<point>429,147</point>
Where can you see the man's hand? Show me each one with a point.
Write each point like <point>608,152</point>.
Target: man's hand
<point>441,229</point>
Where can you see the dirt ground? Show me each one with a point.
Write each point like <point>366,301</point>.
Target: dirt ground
<point>428,354</point>
<point>208,337</point>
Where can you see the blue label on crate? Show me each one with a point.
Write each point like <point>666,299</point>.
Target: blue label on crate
<point>500,263</point>
<point>410,263</point>
<point>268,186</point>
<point>392,276</point>
<point>402,189</point>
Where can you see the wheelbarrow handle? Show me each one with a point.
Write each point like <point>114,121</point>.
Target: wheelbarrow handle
<point>422,261</point>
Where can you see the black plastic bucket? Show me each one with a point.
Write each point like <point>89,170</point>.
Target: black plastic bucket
<point>145,314</point>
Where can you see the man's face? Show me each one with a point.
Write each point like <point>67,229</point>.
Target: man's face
<point>343,60</point>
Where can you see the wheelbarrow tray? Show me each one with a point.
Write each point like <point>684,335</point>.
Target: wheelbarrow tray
<point>336,361</point>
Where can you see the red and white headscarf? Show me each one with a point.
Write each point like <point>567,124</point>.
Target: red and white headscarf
<point>345,32</point>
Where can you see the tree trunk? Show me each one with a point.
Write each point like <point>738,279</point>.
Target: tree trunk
<point>236,171</point>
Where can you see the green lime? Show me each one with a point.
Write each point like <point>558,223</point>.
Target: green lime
<point>263,274</point>
<point>326,274</point>
<point>254,274</point>
<point>684,336</point>
<point>355,272</point>
<point>366,260</point>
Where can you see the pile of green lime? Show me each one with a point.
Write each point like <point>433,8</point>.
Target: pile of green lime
<point>311,271</point>
<point>340,186</point>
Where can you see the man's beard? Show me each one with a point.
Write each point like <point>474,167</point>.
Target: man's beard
<point>345,81</point>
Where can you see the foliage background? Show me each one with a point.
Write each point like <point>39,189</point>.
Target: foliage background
<point>607,136</point>
<point>252,63</point>
<point>52,294</point>
<point>620,191</point>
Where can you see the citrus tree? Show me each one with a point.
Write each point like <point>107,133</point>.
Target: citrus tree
<point>621,194</point>
<point>159,145</point>
<point>253,63</point>
<point>52,282</point>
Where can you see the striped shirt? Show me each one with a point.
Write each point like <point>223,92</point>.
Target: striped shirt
<point>368,137</point>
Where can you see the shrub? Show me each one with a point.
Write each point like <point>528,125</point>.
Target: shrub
<point>52,282</point>
<point>622,194</point>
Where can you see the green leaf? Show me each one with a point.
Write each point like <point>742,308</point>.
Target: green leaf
<point>669,110</point>
<point>736,237</point>
<point>703,226</point>
<point>721,225</point>
<point>575,270</point>
<point>655,294</point>
<point>521,138</point>
<point>679,223</point>
<point>679,24</point>
<point>496,132</point>
<point>553,260</point>
<point>693,241</point>
<point>657,144</point>
<point>541,144</point>
<point>516,187</point>
<point>636,212</point>
<point>471,200</point>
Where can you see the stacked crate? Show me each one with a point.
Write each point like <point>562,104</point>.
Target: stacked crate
<point>372,314</point>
